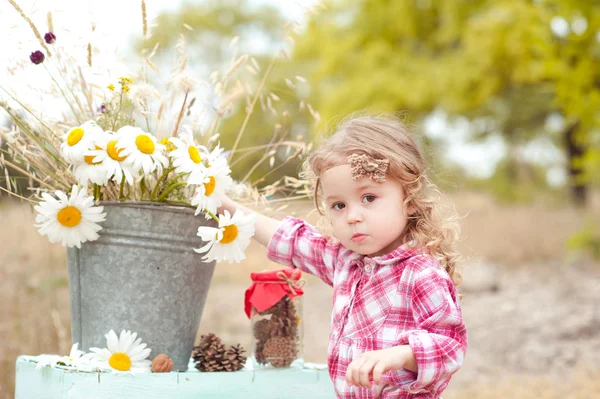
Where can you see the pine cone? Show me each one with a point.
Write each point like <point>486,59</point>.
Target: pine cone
<point>280,351</point>
<point>212,356</point>
<point>280,308</point>
<point>262,330</point>
<point>259,353</point>
<point>209,353</point>
<point>283,327</point>
<point>235,357</point>
<point>198,353</point>
<point>206,341</point>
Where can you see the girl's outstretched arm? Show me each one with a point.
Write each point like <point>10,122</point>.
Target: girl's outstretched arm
<point>265,226</point>
<point>293,242</point>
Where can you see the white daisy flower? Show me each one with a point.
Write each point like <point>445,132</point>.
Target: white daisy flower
<point>229,240</point>
<point>46,361</point>
<point>217,158</point>
<point>142,150</point>
<point>76,357</point>
<point>92,169</point>
<point>114,163</point>
<point>71,220</point>
<point>188,157</point>
<point>77,141</point>
<point>123,353</point>
<point>211,188</point>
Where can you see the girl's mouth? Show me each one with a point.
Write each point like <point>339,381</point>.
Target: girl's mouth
<point>358,238</point>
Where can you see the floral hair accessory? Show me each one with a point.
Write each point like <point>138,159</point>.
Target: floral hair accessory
<point>366,165</point>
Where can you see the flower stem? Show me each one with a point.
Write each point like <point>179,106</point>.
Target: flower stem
<point>212,215</point>
<point>169,189</point>
<point>121,187</point>
<point>159,181</point>
<point>178,202</point>
<point>118,110</point>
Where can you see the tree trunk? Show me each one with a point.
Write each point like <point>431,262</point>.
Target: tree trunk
<point>575,150</point>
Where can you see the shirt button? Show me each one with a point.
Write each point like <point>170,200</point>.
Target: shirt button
<point>368,268</point>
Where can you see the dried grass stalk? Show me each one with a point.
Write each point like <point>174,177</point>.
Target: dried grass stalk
<point>35,30</point>
<point>144,21</point>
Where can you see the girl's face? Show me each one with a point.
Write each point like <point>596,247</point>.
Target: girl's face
<point>367,217</point>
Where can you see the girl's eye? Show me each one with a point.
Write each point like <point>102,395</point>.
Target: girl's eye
<point>368,198</point>
<point>338,206</point>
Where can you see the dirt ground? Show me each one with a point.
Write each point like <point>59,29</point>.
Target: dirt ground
<point>530,307</point>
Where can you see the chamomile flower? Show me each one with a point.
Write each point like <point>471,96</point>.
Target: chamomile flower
<point>142,150</point>
<point>76,357</point>
<point>123,353</point>
<point>46,361</point>
<point>71,220</point>
<point>217,158</point>
<point>211,188</point>
<point>188,157</point>
<point>114,165</point>
<point>229,240</point>
<point>92,169</point>
<point>78,140</point>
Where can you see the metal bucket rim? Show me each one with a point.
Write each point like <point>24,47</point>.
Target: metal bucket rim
<point>179,208</point>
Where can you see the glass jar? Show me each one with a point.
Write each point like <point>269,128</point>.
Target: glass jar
<point>276,320</point>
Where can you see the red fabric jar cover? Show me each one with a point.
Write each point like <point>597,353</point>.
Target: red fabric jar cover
<point>270,286</point>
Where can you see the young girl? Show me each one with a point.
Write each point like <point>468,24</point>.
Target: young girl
<point>396,318</point>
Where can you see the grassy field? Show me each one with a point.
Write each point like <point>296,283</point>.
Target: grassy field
<point>522,240</point>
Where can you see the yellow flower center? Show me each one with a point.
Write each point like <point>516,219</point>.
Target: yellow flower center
<point>194,154</point>
<point>144,144</point>
<point>75,136</point>
<point>230,234</point>
<point>113,152</point>
<point>210,186</point>
<point>120,361</point>
<point>69,216</point>
<point>167,143</point>
<point>89,159</point>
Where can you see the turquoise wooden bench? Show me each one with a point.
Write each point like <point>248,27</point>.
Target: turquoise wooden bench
<point>312,382</point>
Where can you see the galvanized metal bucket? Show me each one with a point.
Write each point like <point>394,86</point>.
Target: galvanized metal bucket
<point>141,275</point>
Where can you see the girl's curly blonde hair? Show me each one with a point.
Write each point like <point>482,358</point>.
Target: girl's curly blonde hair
<point>387,137</point>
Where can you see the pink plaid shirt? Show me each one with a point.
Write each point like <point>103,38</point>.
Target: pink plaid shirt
<point>403,297</point>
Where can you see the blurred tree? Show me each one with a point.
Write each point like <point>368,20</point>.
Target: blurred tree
<point>209,28</point>
<point>494,59</point>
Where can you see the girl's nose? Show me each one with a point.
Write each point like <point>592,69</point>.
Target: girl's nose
<point>354,214</point>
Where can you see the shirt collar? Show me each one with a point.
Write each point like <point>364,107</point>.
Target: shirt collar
<point>398,255</point>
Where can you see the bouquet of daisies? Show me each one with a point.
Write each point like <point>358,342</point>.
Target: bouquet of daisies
<point>122,141</point>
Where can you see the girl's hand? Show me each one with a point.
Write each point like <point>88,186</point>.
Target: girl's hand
<point>375,363</point>
<point>264,227</point>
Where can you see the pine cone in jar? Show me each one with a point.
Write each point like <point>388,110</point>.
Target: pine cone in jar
<point>280,351</point>
<point>259,353</point>
<point>283,327</point>
<point>279,308</point>
<point>262,330</point>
